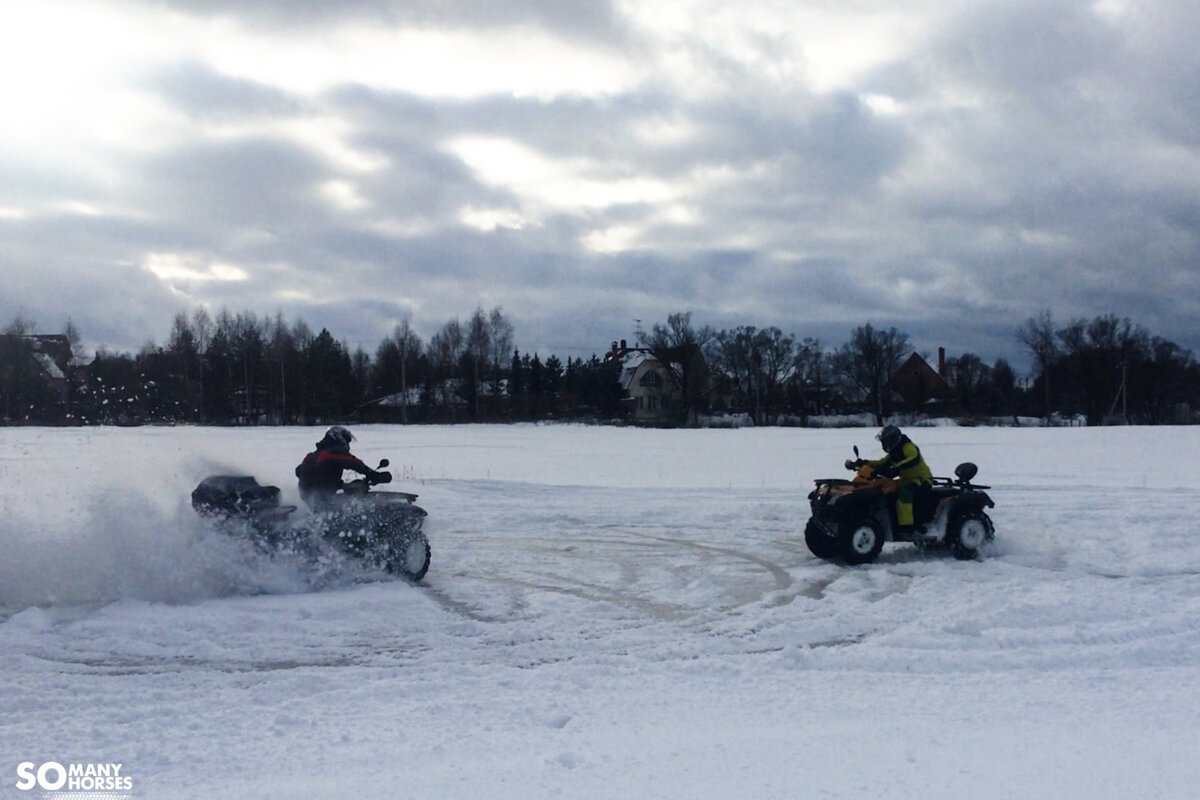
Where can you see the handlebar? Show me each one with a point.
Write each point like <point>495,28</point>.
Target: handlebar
<point>363,485</point>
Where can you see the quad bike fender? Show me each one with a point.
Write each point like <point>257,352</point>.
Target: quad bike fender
<point>819,527</point>
<point>959,506</point>
<point>967,503</point>
<point>952,508</point>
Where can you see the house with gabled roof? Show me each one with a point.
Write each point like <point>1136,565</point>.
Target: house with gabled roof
<point>34,366</point>
<point>918,384</point>
<point>650,393</point>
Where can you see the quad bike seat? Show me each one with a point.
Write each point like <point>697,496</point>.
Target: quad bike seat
<point>233,494</point>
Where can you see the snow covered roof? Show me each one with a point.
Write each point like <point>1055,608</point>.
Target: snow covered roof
<point>52,370</point>
<point>52,352</point>
<point>629,366</point>
<point>397,399</point>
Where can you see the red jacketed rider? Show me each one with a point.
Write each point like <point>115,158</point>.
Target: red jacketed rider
<point>320,472</point>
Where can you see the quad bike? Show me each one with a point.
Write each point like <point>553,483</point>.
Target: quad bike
<point>383,529</point>
<point>851,519</point>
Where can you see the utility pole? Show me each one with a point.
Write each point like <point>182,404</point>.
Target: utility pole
<point>1122,396</point>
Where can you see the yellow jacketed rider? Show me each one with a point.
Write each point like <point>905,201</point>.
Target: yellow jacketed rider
<point>903,462</point>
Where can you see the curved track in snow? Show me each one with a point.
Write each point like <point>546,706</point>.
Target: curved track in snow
<point>593,631</point>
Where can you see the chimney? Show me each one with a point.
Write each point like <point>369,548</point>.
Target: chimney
<point>942,361</point>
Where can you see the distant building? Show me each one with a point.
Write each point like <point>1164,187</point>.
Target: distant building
<point>52,352</point>
<point>34,370</point>
<point>650,393</point>
<point>421,404</point>
<point>918,384</point>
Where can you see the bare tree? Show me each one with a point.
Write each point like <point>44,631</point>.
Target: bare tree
<point>732,352</point>
<point>186,354</point>
<point>16,374</point>
<point>1095,357</point>
<point>869,360</point>
<point>478,348</point>
<point>809,373</point>
<point>777,364</point>
<point>1003,390</point>
<point>74,338</point>
<point>282,352</point>
<point>360,370</point>
<point>679,347</point>
<point>759,362</point>
<point>1037,334</point>
<point>500,334</point>
<point>445,351</point>
<point>407,343</point>
<point>248,338</point>
<point>967,376</point>
<point>202,326</point>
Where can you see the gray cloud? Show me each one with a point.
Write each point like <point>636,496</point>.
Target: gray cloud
<point>1040,155</point>
<point>205,94</point>
<point>583,18</point>
<point>257,183</point>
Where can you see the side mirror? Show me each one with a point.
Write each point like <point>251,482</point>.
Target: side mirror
<point>383,464</point>
<point>856,451</point>
<point>966,471</point>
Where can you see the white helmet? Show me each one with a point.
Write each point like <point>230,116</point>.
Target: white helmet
<point>339,436</point>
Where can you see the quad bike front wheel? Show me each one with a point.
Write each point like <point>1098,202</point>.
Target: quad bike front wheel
<point>968,533</point>
<point>860,540</point>
<point>410,557</point>
<point>820,544</point>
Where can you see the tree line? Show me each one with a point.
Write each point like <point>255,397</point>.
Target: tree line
<point>242,368</point>
<point>248,369</point>
<point>1109,369</point>
<point>1106,369</point>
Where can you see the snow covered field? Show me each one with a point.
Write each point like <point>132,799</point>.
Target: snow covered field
<point>611,613</point>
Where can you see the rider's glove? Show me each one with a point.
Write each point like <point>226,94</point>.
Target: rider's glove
<point>382,477</point>
<point>851,463</point>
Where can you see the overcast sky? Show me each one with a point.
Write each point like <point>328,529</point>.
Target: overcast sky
<point>948,167</point>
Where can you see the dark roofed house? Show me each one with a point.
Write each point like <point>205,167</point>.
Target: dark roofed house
<point>33,376</point>
<point>919,384</point>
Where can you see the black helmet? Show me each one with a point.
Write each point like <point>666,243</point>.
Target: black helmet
<point>889,436</point>
<point>338,437</point>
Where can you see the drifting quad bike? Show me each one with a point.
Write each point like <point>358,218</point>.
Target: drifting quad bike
<point>382,529</point>
<point>851,519</point>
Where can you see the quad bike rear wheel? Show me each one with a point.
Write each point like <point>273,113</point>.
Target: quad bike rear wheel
<point>860,540</point>
<point>968,533</point>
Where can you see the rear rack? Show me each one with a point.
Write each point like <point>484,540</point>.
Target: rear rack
<point>939,481</point>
